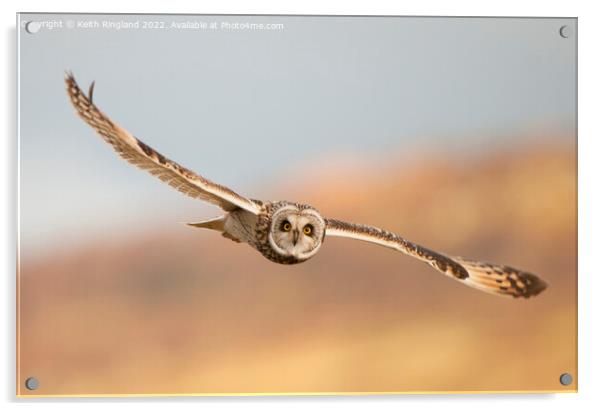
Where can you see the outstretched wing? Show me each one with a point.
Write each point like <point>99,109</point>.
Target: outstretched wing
<point>492,278</point>
<point>146,158</point>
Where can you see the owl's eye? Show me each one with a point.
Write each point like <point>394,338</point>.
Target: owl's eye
<point>308,229</point>
<point>286,226</point>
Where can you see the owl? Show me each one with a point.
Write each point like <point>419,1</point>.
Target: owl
<point>287,232</point>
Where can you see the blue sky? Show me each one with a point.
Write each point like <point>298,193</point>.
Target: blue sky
<point>236,105</point>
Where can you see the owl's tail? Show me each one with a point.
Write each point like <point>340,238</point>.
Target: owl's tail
<point>216,223</point>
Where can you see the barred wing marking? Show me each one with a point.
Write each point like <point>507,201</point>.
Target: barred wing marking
<point>146,158</point>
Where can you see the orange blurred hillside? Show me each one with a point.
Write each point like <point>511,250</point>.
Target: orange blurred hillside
<point>180,310</point>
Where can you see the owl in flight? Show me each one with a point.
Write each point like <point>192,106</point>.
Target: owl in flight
<point>286,232</point>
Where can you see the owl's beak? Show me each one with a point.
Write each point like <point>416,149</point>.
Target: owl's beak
<point>295,237</point>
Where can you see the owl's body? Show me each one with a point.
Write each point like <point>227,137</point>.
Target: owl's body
<point>286,232</point>
<point>254,229</point>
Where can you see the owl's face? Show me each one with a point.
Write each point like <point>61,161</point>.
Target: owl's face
<point>296,232</point>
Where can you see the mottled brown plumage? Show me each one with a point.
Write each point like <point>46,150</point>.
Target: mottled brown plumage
<point>287,232</point>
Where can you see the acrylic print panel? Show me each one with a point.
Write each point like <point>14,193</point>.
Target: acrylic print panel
<point>457,134</point>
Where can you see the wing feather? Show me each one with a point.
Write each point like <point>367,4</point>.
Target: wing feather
<point>491,278</point>
<point>146,158</point>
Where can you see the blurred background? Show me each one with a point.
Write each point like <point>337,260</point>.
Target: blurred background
<point>456,133</point>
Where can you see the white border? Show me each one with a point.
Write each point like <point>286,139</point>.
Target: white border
<point>590,204</point>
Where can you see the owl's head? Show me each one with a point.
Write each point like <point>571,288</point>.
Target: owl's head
<point>296,231</point>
